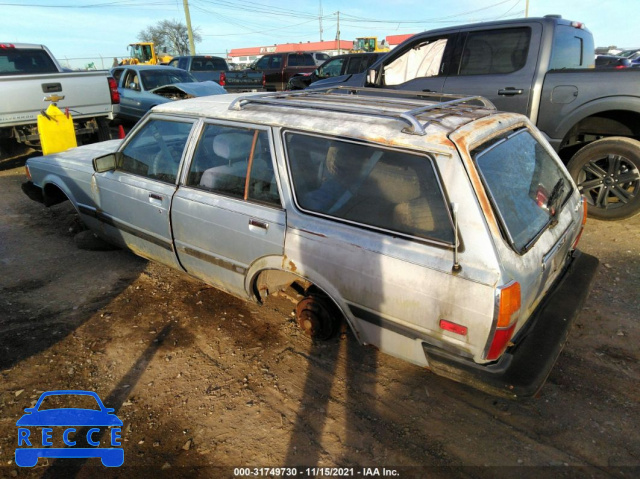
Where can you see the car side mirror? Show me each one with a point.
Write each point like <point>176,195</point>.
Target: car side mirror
<point>372,77</point>
<point>105,163</point>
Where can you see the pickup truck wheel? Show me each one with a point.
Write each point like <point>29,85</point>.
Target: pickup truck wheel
<point>607,173</point>
<point>318,317</point>
<point>104,130</point>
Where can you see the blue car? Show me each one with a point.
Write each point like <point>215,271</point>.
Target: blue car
<point>142,87</point>
<point>71,418</point>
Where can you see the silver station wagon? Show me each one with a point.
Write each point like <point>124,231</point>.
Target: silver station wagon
<point>442,231</point>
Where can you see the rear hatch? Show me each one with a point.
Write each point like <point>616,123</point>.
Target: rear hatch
<point>534,213</point>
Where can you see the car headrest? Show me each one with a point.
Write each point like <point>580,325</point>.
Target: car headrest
<point>233,146</point>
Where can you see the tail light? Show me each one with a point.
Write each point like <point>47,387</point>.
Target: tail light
<point>6,46</point>
<point>508,309</point>
<point>223,79</point>
<point>113,89</point>
<point>27,172</point>
<point>584,222</point>
<point>264,80</point>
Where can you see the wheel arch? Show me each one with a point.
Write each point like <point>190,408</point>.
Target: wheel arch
<point>278,272</point>
<point>605,117</point>
<point>54,194</point>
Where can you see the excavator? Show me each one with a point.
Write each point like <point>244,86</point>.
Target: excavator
<point>369,45</point>
<point>144,53</point>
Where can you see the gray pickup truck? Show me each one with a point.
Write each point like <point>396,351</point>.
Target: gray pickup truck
<point>206,67</point>
<point>543,68</point>
<point>31,78</point>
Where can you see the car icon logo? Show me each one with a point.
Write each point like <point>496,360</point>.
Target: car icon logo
<point>66,426</point>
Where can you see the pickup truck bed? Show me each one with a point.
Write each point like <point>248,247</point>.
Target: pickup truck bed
<point>31,79</point>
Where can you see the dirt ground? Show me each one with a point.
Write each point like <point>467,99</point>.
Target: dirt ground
<point>206,383</point>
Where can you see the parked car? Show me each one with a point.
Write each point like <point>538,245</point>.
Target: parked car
<point>612,61</point>
<point>279,67</point>
<point>141,87</point>
<point>320,57</point>
<point>31,79</point>
<point>347,64</point>
<point>541,67</point>
<point>205,67</point>
<point>443,231</point>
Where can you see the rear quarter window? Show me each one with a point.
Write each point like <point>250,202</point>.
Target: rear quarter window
<point>526,185</point>
<point>389,190</point>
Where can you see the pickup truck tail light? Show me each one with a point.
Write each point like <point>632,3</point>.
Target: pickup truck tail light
<point>113,89</point>
<point>264,80</point>
<point>223,79</point>
<point>508,300</point>
<point>584,222</point>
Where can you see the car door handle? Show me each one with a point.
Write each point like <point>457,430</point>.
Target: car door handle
<point>258,225</point>
<point>156,197</point>
<point>510,91</point>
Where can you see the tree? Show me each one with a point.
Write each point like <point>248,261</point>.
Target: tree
<point>169,36</point>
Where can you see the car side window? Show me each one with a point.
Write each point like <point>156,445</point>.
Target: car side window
<point>424,59</point>
<point>117,74</point>
<point>235,162</point>
<point>331,68</point>
<point>389,190</point>
<point>276,61</point>
<point>263,63</point>
<point>131,81</point>
<point>494,51</point>
<point>156,150</point>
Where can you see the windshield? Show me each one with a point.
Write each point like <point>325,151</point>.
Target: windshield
<point>525,183</point>
<point>156,78</point>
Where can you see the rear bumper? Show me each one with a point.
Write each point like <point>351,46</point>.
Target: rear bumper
<point>524,367</point>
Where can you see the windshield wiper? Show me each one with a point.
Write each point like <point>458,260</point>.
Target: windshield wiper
<point>553,203</point>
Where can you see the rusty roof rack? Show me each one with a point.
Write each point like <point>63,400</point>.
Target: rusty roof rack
<point>405,106</point>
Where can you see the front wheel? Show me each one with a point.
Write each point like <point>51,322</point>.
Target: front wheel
<point>607,174</point>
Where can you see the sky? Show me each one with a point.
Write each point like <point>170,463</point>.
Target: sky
<point>83,31</point>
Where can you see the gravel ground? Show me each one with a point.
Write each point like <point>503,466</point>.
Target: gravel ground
<point>206,383</point>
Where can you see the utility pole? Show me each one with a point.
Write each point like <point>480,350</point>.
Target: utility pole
<point>320,17</point>
<point>338,33</point>
<point>526,9</point>
<point>192,47</point>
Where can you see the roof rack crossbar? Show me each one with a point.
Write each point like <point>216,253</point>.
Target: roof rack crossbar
<point>324,99</point>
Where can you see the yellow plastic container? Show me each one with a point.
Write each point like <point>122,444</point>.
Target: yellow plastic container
<point>56,131</point>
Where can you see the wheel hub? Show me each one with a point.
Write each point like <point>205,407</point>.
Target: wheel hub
<point>317,317</point>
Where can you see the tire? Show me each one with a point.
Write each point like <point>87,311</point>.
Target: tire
<point>607,173</point>
<point>104,130</point>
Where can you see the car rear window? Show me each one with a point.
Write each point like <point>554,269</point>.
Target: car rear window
<point>526,185</point>
<point>301,60</point>
<point>25,61</point>
<point>389,190</point>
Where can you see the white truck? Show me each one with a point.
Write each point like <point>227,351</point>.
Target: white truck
<point>31,79</point>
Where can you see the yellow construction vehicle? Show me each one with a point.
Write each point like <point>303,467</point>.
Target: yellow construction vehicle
<point>368,45</point>
<point>144,53</point>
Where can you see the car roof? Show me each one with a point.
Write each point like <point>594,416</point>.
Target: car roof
<point>336,114</point>
<point>148,67</point>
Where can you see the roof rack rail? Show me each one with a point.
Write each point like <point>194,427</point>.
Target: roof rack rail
<point>405,106</point>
